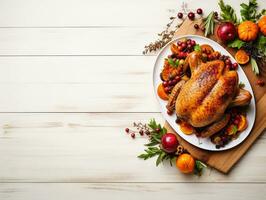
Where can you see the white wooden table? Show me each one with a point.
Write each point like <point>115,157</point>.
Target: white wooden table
<point>72,77</point>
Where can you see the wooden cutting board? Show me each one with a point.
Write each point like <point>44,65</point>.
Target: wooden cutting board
<point>225,160</point>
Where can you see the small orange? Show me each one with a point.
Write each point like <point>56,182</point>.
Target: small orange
<point>241,57</point>
<point>185,163</point>
<point>161,93</point>
<point>243,124</point>
<point>186,128</point>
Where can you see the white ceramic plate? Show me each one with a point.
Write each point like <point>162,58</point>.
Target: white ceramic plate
<point>203,143</point>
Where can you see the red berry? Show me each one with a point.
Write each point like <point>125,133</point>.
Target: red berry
<point>216,13</point>
<point>184,45</point>
<point>199,11</point>
<point>179,48</point>
<point>141,132</point>
<point>236,122</point>
<point>127,130</point>
<point>180,15</point>
<point>169,142</point>
<point>227,61</point>
<point>133,135</point>
<point>189,46</point>
<point>260,83</point>
<point>193,43</point>
<point>235,65</point>
<point>191,15</point>
<point>177,78</point>
<point>157,130</point>
<point>179,43</point>
<point>196,26</point>
<point>165,84</point>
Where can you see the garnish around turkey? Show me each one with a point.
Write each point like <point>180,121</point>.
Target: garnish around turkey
<point>202,88</point>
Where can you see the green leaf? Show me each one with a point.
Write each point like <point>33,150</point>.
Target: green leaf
<point>241,85</point>
<point>199,166</point>
<point>261,44</point>
<point>160,158</point>
<point>227,12</point>
<point>209,24</point>
<point>173,63</point>
<point>197,47</point>
<point>237,43</point>
<point>254,66</point>
<point>249,11</point>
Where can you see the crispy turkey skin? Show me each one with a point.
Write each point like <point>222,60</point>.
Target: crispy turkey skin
<point>205,96</point>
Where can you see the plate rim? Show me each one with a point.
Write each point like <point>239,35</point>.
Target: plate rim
<point>175,38</point>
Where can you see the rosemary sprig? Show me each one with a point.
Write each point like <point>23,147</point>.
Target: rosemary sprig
<point>209,24</point>
<point>227,12</point>
<point>199,166</point>
<point>254,66</point>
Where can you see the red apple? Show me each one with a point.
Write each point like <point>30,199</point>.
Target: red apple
<point>226,32</point>
<point>169,142</point>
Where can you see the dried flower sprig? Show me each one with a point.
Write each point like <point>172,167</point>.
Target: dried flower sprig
<point>168,34</point>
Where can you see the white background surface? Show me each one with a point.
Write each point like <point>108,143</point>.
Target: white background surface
<point>72,77</point>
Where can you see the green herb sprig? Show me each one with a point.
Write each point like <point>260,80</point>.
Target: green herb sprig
<point>209,24</point>
<point>249,11</point>
<point>227,12</point>
<point>156,134</point>
<point>237,43</point>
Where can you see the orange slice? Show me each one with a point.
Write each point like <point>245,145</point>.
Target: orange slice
<point>243,124</point>
<point>241,57</point>
<point>186,128</point>
<point>161,93</point>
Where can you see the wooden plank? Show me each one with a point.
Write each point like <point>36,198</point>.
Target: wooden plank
<point>93,147</point>
<point>80,191</point>
<point>95,13</point>
<point>77,84</point>
<point>75,41</point>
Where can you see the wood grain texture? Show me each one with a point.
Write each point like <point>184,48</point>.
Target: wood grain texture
<point>225,160</point>
<point>80,191</point>
<point>93,147</point>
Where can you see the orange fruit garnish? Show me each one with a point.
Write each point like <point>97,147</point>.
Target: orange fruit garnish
<point>185,163</point>
<point>243,124</point>
<point>186,128</point>
<point>241,57</point>
<point>161,93</point>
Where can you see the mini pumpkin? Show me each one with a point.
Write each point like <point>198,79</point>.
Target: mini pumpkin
<point>262,25</point>
<point>247,31</point>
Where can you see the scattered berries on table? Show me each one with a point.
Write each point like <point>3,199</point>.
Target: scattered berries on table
<point>191,15</point>
<point>199,11</point>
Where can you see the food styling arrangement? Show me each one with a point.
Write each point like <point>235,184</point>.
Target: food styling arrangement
<point>209,79</point>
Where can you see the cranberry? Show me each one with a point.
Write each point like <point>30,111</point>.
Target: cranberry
<point>236,122</point>
<point>141,132</point>
<point>127,130</point>
<point>199,11</point>
<point>184,45</point>
<point>191,15</point>
<point>169,142</point>
<point>177,78</point>
<point>203,28</point>
<point>193,43</point>
<point>216,13</point>
<point>260,83</point>
<point>166,89</point>
<point>179,48</point>
<point>189,46</point>
<point>196,26</point>
<point>179,43</point>
<point>210,57</point>
<point>227,61</point>
<point>165,84</point>
<point>157,130</point>
<point>180,15</point>
<point>235,65</point>
<point>133,135</point>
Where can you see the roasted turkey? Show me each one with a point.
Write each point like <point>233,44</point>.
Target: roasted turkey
<point>202,100</point>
